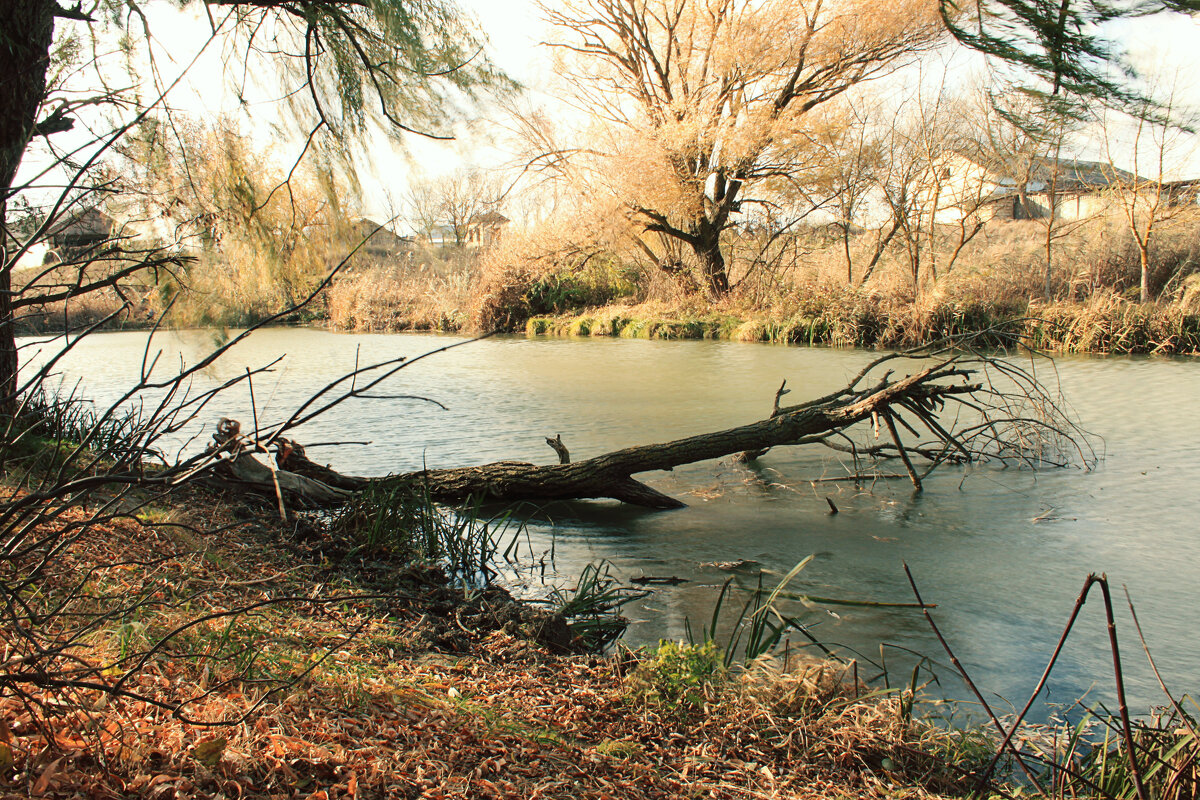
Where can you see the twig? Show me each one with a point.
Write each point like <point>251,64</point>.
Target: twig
<point>891,426</point>
<point>1122,706</point>
<point>970,683</point>
<point>1183,716</point>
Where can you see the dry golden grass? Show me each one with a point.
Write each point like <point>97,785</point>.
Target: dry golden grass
<point>398,299</point>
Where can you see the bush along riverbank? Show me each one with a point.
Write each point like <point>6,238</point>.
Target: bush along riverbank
<point>811,314</point>
<point>541,284</point>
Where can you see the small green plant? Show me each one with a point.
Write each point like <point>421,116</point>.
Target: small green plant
<point>761,624</point>
<point>678,675</point>
<point>132,638</point>
<point>154,515</point>
<point>618,748</point>
<point>403,522</point>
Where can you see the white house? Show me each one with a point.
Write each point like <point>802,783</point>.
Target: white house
<point>481,231</point>
<point>1013,189</point>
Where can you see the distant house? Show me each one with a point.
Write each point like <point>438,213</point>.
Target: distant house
<point>381,243</point>
<point>484,229</point>
<point>80,233</point>
<point>1182,193</point>
<point>1074,188</point>
<point>481,231</point>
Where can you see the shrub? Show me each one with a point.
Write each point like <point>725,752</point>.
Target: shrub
<point>679,676</point>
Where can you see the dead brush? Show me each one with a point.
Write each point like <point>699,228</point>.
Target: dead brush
<point>818,714</point>
<point>396,299</point>
<point>79,313</point>
<point>1108,323</point>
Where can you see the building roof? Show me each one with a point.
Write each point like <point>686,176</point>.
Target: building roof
<point>1067,174</point>
<point>90,224</point>
<point>490,219</point>
<point>1078,174</point>
<point>380,239</point>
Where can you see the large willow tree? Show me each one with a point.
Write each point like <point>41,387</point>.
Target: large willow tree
<point>343,63</point>
<point>701,104</point>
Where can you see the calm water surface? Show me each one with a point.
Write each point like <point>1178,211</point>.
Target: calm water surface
<point>1002,552</point>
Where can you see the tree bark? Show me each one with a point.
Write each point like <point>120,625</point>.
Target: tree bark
<point>1144,263</point>
<point>712,264</point>
<point>27,28</point>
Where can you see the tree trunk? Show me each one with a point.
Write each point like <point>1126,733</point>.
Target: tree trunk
<point>880,248</point>
<point>1048,287</point>
<point>845,225</point>
<point>706,237</point>
<point>712,265</point>
<point>1144,262</point>
<point>28,29</point>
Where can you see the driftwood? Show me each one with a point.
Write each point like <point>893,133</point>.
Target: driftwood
<point>1020,422</point>
<point>311,486</point>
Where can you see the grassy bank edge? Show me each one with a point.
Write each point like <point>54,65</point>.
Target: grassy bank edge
<point>1111,327</point>
<point>1104,324</point>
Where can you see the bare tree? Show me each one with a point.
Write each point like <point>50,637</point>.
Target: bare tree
<point>703,102</point>
<point>848,152</point>
<point>456,201</point>
<point>1160,133</point>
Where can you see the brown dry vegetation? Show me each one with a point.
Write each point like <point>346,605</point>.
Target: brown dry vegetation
<point>427,694</point>
<point>796,291</point>
<point>564,279</point>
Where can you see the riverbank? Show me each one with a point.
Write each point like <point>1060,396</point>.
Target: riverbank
<point>1108,326</point>
<point>1104,324</point>
<point>407,687</point>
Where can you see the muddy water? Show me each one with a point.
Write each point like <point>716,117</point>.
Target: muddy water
<point>1002,552</point>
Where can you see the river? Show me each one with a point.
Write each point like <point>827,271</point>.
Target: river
<point>1002,552</point>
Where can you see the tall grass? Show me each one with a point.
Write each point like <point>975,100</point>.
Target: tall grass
<point>404,524</point>
<point>1107,323</point>
<point>51,428</point>
<point>400,299</point>
<point>592,608</point>
<point>1089,758</point>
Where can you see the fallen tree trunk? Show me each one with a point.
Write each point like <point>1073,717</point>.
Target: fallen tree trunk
<point>898,403</point>
<point>611,475</point>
